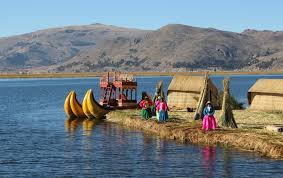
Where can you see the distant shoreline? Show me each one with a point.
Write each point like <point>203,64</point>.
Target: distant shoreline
<point>97,74</point>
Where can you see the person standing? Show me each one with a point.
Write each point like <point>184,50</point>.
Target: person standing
<point>162,109</point>
<point>157,102</point>
<point>209,121</point>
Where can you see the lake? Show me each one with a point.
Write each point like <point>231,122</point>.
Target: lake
<point>35,142</point>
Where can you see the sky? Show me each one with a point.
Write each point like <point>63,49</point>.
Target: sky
<point>23,16</point>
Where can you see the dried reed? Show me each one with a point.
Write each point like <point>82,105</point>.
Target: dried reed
<point>227,118</point>
<point>201,102</point>
<point>185,130</point>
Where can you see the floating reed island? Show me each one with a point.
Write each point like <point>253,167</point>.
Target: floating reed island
<point>252,130</point>
<point>244,129</point>
<point>250,134</point>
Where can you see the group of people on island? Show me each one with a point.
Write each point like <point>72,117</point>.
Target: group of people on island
<point>160,109</point>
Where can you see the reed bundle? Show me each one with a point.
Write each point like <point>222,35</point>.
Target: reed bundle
<point>227,118</point>
<point>201,102</point>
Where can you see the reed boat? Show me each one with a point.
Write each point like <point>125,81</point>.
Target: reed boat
<point>89,108</point>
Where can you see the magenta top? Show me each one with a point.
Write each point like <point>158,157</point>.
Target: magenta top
<point>162,106</point>
<point>157,103</point>
<point>145,104</point>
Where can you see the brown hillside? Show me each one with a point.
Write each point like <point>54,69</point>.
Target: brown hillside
<point>173,47</point>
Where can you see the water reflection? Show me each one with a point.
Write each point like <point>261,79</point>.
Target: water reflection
<point>227,161</point>
<point>109,150</point>
<point>160,149</point>
<point>109,129</point>
<point>71,125</point>
<point>88,125</point>
<point>209,159</point>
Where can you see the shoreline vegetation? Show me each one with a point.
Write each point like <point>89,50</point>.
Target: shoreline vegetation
<point>97,74</point>
<point>250,136</point>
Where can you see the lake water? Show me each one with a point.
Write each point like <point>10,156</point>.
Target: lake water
<point>35,143</point>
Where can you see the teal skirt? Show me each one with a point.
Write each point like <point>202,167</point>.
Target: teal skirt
<point>146,113</point>
<point>163,116</point>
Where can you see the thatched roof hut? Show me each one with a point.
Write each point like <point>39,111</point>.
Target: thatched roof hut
<point>266,94</point>
<point>184,92</point>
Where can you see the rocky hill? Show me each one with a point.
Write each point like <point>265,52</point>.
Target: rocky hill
<point>174,47</point>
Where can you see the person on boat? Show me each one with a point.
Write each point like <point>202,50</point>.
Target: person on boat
<point>162,109</point>
<point>209,121</point>
<point>122,96</point>
<point>145,104</point>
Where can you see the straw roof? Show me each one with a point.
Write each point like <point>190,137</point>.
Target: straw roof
<point>186,83</point>
<point>272,86</point>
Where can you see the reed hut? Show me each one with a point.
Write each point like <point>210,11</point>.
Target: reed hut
<point>184,92</point>
<point>266,94</point>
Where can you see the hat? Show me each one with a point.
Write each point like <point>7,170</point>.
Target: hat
<point>208,102</point>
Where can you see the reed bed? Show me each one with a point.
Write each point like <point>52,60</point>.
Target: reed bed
<point>182,127</point>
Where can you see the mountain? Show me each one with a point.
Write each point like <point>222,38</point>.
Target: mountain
<point>174,47</point>
<point>49,47</point>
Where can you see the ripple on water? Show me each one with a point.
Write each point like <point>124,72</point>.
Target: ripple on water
<point>35,142</point>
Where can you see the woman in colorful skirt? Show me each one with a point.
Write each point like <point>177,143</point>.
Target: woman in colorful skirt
<point>157,102</point>
<point>162,109</point>
<point>145,104</point>
<point>209,121</point>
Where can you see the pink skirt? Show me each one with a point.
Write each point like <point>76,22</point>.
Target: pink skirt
<point>208,123</point>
